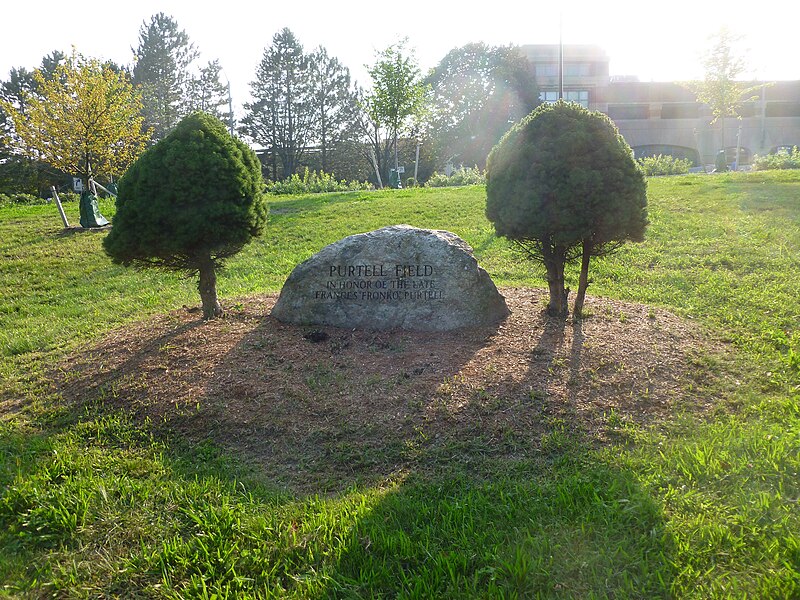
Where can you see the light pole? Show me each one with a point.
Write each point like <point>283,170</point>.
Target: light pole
<point>230,102</point>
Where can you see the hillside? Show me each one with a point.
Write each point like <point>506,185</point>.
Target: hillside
<point>650,450</point>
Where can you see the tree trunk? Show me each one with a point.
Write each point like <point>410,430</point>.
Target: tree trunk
<point>207,287</point>
<point>554,258</point>
<point>577,311</point>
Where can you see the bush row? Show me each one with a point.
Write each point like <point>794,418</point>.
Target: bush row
<point>783,159</point>
<point>664,164</point>
<point>313,182</point>
<point>459,177</point>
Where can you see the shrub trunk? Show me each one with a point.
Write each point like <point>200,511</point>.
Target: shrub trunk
<point>554,259</point>
<point>208,289</point>
<point>577,311</point>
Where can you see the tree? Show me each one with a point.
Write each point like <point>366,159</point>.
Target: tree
<point>162,71</point>
<point>83,120</point>
<point>208,94</point>
<point>189,202</point>
<point>397,96</point>
<point>19,172</point>
<point>720,89</point>
<point>333,102</point>
<point>477,93</point>
<point>563,184</point>
<point>281,117</point>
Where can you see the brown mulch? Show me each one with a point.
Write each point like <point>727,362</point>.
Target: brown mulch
<point>321,407</point>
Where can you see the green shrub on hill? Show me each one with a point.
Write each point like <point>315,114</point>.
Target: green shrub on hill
<point>314,182</point>
<point>783,159</point>
<point>459,177</point>
<point>664,164</point>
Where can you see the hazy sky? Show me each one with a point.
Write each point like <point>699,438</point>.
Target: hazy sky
<point>658,41</point>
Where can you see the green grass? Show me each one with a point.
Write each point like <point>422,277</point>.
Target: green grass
<point>93,504</point>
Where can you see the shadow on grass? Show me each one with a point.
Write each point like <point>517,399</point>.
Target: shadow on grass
<point>377,464</point>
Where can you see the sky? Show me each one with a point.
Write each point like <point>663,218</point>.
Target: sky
<point>656,41</point>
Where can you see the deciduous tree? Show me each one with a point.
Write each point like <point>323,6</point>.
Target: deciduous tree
<point>721,89</point>
<point>477,93</point>
<point>397,96</point>
<point>83,120</point>
<point>189,202</point>
<point>562,184</point>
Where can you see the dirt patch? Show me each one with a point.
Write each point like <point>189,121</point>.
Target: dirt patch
<point>318,407</point>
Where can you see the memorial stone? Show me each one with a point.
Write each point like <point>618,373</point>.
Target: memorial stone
<point>395,277</point>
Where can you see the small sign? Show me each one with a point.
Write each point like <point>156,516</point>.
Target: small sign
<point>401,169</point>
<point>77,184</point>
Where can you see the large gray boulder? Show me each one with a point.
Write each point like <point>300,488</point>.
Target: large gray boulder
<point>395,277</point>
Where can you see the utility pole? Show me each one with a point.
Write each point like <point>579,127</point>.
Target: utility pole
<point>230,108</point>
<point>561,55</point>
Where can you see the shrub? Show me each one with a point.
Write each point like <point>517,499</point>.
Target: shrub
<point>562,184</point>
<point>664,164</point>
<point>21,198</point>
<point>460,177</point>
<point>188,203</point>
<point>783,159</point>
<point>313,182</point>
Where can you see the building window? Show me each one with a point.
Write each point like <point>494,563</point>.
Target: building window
<point>577,70</point>
<point>783,109</point>
<point>579,96</point>
<point>547,70</point>
<point>680,110</point>
<point>548,96</point>
<point>622,112</point>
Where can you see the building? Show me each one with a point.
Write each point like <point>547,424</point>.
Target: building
<point>664,117</point>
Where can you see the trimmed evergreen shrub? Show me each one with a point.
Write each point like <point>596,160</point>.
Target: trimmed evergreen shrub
<point>563,185</point>
<point>188,203</point>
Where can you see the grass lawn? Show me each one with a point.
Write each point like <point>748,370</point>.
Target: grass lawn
<point>96,502</point>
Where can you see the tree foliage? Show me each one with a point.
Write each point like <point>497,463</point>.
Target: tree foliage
<point>477,93</point>
<point>207,93</point>
<point>161,70</point>
<point>333,102</point>
<point>721,90</point>
<point>189,202</point>
<point>84,119</point>
<point>396,101</point>
<point>563,184</point>
<point>280,118</point>
<point>19,172</point>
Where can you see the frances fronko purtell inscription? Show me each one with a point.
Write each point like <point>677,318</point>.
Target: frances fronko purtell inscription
<point>395,277</point>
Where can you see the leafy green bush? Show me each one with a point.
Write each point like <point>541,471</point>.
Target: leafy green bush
<point>461,176</point>
<point>664,164</point>
<point>783,159</point>
<point>313,182</point>
<point>20,198</point>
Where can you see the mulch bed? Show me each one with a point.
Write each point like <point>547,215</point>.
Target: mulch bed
<point>319,407</point>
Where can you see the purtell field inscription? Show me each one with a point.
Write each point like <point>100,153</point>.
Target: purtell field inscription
<point>395,277</point>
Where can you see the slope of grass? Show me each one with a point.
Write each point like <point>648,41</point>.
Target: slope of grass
<point>93,505</point>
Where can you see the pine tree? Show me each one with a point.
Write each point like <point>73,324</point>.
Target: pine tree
<point>162,72</point>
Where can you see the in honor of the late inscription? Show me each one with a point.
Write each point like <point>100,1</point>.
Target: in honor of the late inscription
<point>395,277</point>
